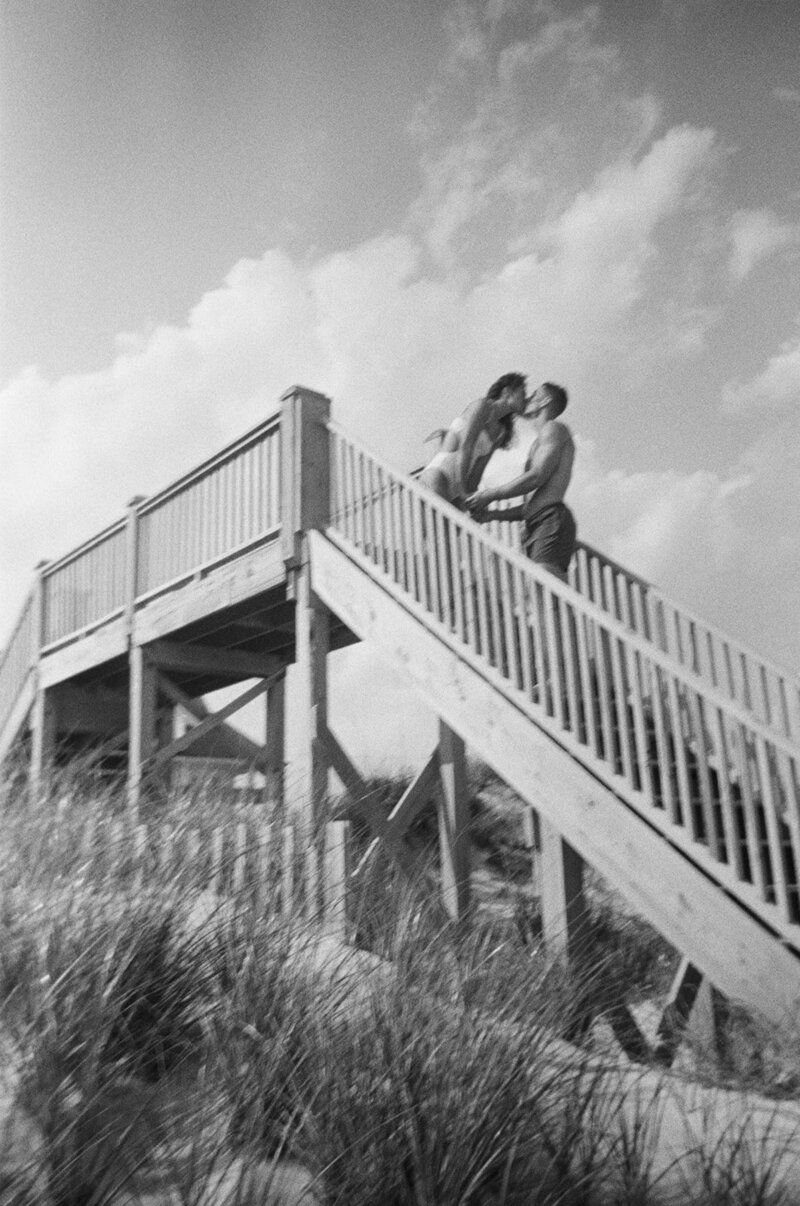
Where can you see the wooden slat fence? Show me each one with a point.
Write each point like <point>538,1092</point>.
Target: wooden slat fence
<point>253,864</point>
<point>662,732</point>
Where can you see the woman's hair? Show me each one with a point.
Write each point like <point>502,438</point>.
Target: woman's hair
<point>507,424</point>
<point>507,381</point>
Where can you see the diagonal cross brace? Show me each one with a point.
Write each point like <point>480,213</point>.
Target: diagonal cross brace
<point>389,831</point>
<point>211,722</point>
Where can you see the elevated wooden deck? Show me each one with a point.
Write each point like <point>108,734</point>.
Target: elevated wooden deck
<point>650,744</point>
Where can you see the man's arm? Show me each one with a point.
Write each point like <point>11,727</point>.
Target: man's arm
<point>543,463</point>
<point>501,513</point>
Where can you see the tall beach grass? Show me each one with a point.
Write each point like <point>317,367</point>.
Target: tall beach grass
<point>179,1024</point>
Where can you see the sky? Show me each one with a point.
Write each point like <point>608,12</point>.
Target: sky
<point>393,202</point>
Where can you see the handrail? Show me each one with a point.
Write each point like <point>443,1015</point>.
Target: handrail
<point>86,586</point>
<point>227,504</point>
<point>612,624</point>
<point>265,427</point>
<point>17,659</point>
<point>222,507</point>
<point>766,690</point>
<point>705,769</point>
<point>52,567</point>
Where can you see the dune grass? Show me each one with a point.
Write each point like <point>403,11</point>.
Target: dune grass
<point>169,1035</point>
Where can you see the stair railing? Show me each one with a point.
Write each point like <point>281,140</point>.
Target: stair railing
<point>758,685</point>
<point>770,692</point>
<point>17,659</point>
<point>709,773</point>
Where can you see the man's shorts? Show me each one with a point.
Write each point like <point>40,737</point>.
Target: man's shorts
<point>550,536</point>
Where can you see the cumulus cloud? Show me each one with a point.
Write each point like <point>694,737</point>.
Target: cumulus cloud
<point>548,236</point>
<point>664,525</point>
<point>787,96</point>
<point>514,125</point>
<point>776,386</point>
<point>757,234</point>
<point>399,348</point>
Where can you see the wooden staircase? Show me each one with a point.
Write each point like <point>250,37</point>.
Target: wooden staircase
<point>662,752</point>
<point>652,745</point>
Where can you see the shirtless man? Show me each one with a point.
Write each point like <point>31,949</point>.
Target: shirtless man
<point>549,524</point>
<point>486,425</point>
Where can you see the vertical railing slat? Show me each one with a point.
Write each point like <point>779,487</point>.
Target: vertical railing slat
<point>771,807</point>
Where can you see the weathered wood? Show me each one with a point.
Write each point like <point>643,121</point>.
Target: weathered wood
<point>628,1033</point>
<point>335,879</point>
<point>305,468</point>
<point>252,573</point>
<point>287,870</point>
<point>389,830</point>
<point>416,795</point>
<point>273,759</point>
<point>677,1009</point>
<point>212,721</point>
<point>141,723</point>
<point>563,903</point>
<point>309,780</point>
<point>43,738</point>
<point>311,885</point>
<point>342,765</point>
<point>532,840</point>
<point>253,753</point>
<point>210,659</point>
<point>454,842</point>
<point>132,558</point>
<point>646,862</point>
<point>66,661</point>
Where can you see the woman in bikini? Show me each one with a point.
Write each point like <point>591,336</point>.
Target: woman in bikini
<point>486,425</point>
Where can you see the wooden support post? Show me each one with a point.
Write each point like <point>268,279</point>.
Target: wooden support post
<point>141,723</point>
<point>305,505</point>
<point>563,905</point>
<point>274,755</point>
<point>533,843</point>
<point>695,1010</point>
<point>675,1017</point>
<point>165,733</point>
<point>305,468</point>
<point>335,879</point>
<point>454,849</point>
<point>310,772</point>
<point>132,559</point>
<point>43,737</point>
<point>42,720</point>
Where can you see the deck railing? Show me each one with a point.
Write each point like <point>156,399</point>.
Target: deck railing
<point>86,587</point>
<point>228,504</point>
<point>692,729</point>
<point>666,735</point>
<point>218,510</point>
